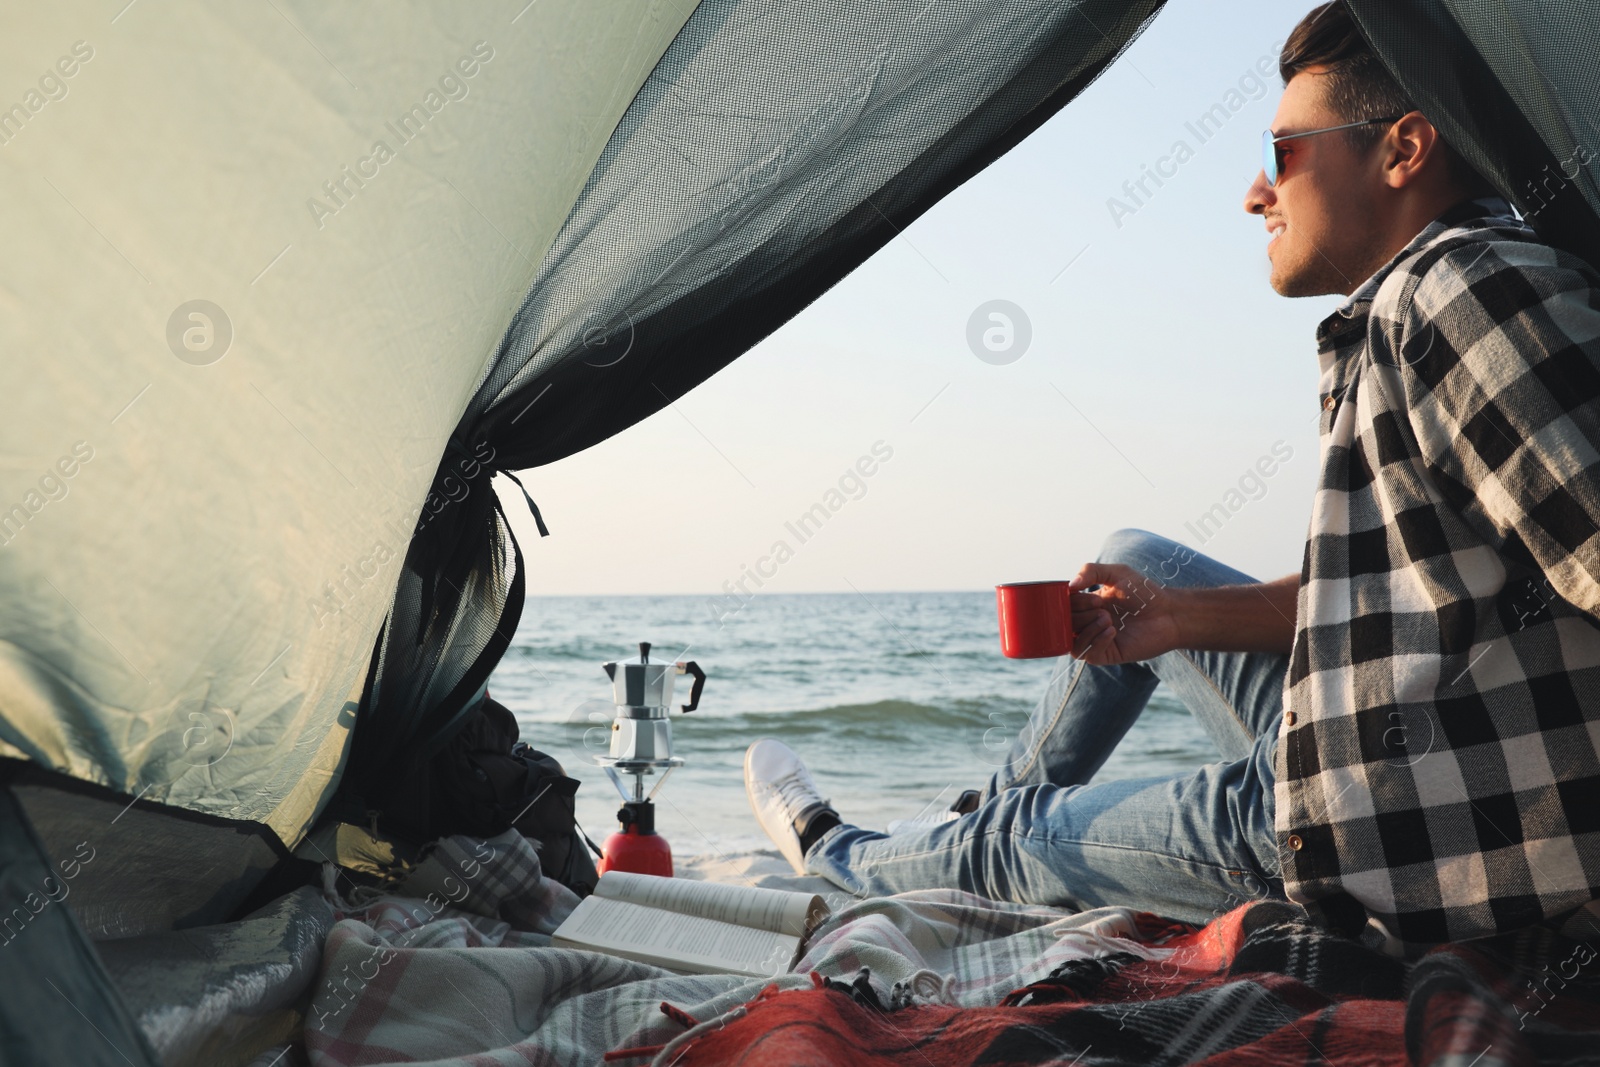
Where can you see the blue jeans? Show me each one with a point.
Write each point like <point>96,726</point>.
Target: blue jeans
<point>1188,847</point>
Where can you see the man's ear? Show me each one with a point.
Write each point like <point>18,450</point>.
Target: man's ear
<point>1412,148</point>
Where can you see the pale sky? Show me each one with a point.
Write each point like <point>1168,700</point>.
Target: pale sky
<point>1162,367</point>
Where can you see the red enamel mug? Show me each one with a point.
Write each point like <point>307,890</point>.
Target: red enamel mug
<point>1035,619</point>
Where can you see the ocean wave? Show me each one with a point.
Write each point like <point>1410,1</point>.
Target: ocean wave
<point>882,718</point>
<point>898,713</point>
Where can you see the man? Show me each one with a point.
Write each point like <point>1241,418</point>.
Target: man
<point>1410,730</point>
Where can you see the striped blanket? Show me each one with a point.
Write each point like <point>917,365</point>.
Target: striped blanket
<point>1257,986</point>
<point>457,970</point>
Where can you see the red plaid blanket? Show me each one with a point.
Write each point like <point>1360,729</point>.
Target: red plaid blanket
<point>1257,986</point>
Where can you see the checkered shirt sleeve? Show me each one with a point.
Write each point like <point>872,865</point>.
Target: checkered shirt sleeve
<point>1439,760</point>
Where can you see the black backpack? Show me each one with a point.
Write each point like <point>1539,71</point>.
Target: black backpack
<point>482,782</point>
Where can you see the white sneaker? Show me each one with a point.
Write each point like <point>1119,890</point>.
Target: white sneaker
<point>782,794</point>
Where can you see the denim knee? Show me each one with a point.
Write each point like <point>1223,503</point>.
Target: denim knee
<point>1136,548</point>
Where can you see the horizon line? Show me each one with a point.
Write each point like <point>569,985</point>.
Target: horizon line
<point>808,592</point>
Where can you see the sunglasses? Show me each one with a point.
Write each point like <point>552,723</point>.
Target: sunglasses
<point>1272,155</point>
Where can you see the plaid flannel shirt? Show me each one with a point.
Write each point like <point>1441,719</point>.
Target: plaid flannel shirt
<point>1438,765</point>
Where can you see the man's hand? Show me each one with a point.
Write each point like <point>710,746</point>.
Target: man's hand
<point>1121,616</point>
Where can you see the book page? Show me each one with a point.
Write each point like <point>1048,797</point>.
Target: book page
<point>680,942</point>
<point>766,909</point>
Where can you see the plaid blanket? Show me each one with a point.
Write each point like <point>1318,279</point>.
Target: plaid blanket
<point>1257,986</point>
<point>435,973</point>
<point>456,969</point>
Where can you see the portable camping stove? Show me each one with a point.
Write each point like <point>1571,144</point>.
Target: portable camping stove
<point>641,745</point>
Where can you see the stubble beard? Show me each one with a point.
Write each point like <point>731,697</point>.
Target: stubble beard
<point>1306,272</point>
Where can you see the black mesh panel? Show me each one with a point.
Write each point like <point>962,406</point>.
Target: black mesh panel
<point>1511,84</point>
<point>775,147</point>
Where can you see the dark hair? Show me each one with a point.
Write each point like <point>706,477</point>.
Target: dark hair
<point>1357,84</point>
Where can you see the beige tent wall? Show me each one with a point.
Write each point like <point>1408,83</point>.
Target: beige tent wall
<point>198,542</point>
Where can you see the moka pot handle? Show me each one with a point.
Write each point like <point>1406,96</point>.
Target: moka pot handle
<point>699,683</point>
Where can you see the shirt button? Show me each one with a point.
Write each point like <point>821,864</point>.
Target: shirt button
<point>1295,843</point>
<point>1328,402</point>
<point>1289,717</point>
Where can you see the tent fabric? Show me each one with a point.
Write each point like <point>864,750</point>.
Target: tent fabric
<point>1511,85</point>
<point>203,505</point>
<point>776,146</point>
<point>52,977</point>
<point>144,876</point>
<point>257,259</point>
<point>209,997</point>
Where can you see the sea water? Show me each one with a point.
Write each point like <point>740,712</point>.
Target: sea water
<point>896,702</point>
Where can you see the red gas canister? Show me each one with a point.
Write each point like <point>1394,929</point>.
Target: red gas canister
<point>636,847</point>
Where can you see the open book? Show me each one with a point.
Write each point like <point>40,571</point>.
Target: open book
<point>696,927</point>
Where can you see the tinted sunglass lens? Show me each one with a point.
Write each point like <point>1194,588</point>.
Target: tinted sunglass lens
<point>1269,157</point>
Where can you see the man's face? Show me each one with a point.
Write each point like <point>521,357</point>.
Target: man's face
<point>1323,211</point>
